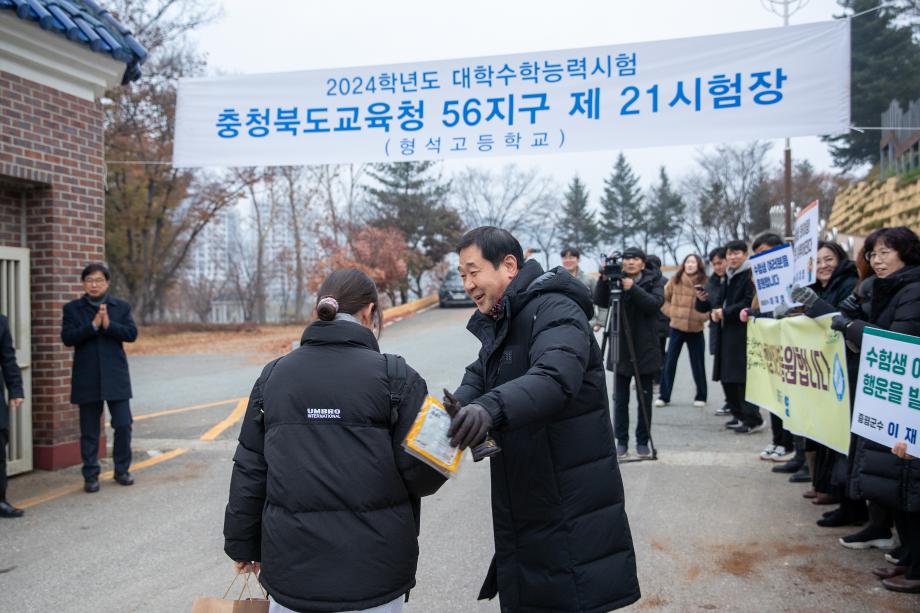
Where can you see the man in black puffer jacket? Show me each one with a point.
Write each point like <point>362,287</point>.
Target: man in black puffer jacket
<point>562,540</point>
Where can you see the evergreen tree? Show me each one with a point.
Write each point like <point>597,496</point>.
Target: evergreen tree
<point>664,215</point>
<point>621,205</point>
<point>884,63</point>
<point>577,226</point>
<point>411,197</point>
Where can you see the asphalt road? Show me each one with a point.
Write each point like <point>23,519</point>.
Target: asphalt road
<point>714,530</point>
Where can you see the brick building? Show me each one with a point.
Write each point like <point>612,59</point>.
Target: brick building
<point>56,61</point>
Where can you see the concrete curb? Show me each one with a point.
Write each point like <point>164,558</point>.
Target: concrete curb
<point>402,310</point>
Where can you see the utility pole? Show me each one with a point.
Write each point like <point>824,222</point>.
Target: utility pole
<point>786,8</point>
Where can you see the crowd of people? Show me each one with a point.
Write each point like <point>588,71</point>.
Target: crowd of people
<point>876,488</point>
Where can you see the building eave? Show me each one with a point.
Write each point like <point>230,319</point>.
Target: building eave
<point>34,54</point>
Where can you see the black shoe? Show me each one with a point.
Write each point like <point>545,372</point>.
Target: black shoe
<point>91,486</point>
<point>790,467</point>
<point>734,423</point>
<point>801,475</point>
<point>839,517</point>
<point>124,479</point>
<point>745,429</point>
<point>871,536</point>
<point>8,510</point>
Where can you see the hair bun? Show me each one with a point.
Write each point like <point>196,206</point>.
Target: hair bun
<point>327,308</point>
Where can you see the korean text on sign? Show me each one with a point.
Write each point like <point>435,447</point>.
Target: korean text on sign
<point>887,408</point>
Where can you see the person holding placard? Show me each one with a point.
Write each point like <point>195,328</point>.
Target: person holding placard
<point>836,278</point>
<point>892,301</point>
<point>324,502</point>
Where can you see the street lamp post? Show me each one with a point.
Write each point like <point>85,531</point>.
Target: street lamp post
<point>786,8</point>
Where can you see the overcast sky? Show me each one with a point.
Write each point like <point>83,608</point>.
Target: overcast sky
<point>285,35</point>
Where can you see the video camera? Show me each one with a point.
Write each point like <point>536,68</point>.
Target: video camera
<point>612,268</point>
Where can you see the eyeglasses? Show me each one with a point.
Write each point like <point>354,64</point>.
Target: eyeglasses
<point>882,254</point>
<point>95,281</point>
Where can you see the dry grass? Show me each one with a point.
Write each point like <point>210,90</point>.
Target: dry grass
<point>214,340</point>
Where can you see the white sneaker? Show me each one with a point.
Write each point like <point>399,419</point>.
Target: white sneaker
<point>767,453</point>
<point>781,454</point>
<point>660,403</point>
<point>699,403</point>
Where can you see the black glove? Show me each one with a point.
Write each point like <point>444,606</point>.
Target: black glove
<point>470,426</point>
<point>850,303</point>
<point>840,323</point>
<point>805,295</point>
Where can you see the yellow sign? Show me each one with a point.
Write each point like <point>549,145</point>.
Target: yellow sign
<point>796,369</point>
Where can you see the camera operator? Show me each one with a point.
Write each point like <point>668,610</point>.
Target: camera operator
<point>639,306</point>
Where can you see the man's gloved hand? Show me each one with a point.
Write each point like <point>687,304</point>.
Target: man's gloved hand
<point>805,295</point>
<point>781,310</point>
<point>840,322</point>
<point>469,426</point>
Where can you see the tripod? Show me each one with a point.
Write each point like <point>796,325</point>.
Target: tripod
<point>612,334</point>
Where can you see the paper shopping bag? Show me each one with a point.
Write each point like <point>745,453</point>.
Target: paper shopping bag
<point>238,605</point>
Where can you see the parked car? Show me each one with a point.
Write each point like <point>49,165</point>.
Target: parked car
<point>452,292</point>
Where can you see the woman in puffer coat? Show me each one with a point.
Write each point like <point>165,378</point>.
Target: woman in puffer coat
<point>836,280</point>
<point>686,328</point>
<point>323,499</point>
<point>892,299</point>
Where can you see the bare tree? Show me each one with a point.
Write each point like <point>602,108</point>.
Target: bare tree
<point>199,295</point>
<point>739,170</point>
<point>510,198</point>
<point>252,269</point>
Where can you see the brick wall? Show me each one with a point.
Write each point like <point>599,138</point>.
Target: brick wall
<point>51,150</point>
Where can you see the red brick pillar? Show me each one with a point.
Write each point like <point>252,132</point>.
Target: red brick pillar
<point>51,143</point>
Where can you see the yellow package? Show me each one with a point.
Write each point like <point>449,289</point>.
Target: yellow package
<point>428,441</point>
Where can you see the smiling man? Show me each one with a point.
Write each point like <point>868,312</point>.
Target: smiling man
<point>562,539</point>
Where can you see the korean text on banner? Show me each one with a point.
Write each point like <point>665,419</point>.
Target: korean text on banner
<point>806,245</point>
<point>778,82</point>
<point>796,369</point>
<point>773,277</point>
<point>887,408</point>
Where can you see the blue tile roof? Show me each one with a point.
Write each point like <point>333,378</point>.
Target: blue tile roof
<point>85,23</point>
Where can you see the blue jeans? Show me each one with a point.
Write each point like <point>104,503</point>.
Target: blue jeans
<point>696,347</point>
<point>90,416</point>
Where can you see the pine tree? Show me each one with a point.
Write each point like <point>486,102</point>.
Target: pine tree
<point>621,205</point>
<point>577,226</point>
<point>884,64</point>
<point>665,215</point>
<point>411,197</point>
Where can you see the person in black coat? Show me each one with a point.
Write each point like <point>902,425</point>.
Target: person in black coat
<point>12,378</point>
<point>892,301</point>
<point>323,499</point>
<point>731,361</point>
<point>562,539</point>
<point>653,265</point>
<point>640,304</point>
<point>712,294</point>
<point>96,326</point>
<point>836,279</point>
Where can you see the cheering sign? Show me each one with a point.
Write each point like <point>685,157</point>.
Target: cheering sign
<point>806,245</point>
<point>887,408</point>
<point>773,277</point>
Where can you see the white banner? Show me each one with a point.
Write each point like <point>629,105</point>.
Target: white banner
<point>887,408</point>
<point>791,81</point>
<point>773,274</point>
<point>806,245</point>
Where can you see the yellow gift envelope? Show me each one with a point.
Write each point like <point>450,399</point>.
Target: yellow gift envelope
<point>428,440</point>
